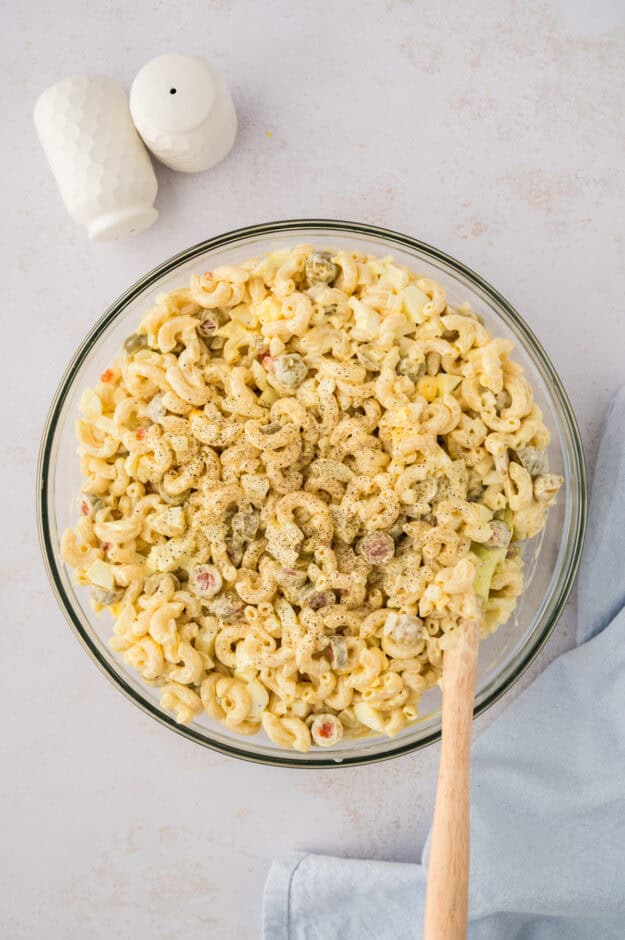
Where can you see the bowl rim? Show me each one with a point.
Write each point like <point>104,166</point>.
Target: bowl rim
<point>579,505</point>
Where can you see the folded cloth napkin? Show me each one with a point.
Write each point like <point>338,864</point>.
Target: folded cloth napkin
<point>547,794</point>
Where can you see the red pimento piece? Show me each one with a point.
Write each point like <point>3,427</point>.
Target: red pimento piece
<point>84,507</point>
<point>107,375</point>
<point>325,730</point>
<point>105,546</point>
<point>207,326</point>
<point>267,362</point>
<point>140,434</point>
<point>260,355</point>
<point>205,580</point>
<point>317,601</point>
<point>377,548</point>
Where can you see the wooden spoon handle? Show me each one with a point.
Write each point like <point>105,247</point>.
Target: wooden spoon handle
<point>447,899</point>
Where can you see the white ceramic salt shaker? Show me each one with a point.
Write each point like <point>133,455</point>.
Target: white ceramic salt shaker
<point>101,167</point>
<point>183,110</point>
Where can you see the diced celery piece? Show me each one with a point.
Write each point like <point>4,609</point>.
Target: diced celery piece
<point>488,559</point>
<point>507,516</point>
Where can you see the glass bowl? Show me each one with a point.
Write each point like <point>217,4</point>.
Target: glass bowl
<point>551,559</point>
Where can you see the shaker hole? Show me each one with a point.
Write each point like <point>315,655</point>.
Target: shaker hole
<point>172,91</point>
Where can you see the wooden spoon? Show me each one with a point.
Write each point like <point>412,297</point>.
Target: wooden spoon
<point>447,899</point>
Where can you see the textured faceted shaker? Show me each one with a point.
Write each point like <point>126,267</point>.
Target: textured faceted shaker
<point>98,160</point>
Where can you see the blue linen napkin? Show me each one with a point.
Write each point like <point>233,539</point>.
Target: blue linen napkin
<point>547,793</point>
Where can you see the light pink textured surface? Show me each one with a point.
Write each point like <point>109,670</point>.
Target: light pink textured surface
<point>493,130</point>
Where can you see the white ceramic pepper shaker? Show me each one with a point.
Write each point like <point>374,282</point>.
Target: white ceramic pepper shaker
<point>100,165</point>
<point>183,110</point>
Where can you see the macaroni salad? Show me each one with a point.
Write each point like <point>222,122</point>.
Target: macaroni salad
<point>302,475</point>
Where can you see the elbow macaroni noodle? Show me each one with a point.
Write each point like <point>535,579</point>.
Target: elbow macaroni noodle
<point>300,477</point>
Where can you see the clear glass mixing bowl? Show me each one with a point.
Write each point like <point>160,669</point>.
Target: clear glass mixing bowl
<point>551,560</point>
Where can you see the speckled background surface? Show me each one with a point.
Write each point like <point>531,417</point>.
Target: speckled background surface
<point>494,130</point>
